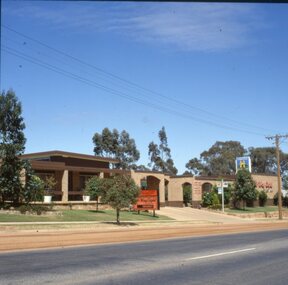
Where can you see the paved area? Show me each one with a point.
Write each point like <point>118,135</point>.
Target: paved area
<point>190,214</point>
<point>247,258</point>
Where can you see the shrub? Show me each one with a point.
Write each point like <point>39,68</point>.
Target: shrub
<point>285,201</point>
<point>262,198</point>
<point>23,209</point>
<point>187,194</point>
<point>275,199</point>
<point>215,207</point>
<point>34,189</point>
<point>30,208</point>
<point>210,199</point>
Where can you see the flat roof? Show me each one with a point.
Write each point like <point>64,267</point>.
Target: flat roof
<point>47,154</point>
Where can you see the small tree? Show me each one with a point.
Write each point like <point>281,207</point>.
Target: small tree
<point>245,188</point>
<point>120,192</point>
<point>262,198</point>
<point>94,187</point>
<point>49,184</point>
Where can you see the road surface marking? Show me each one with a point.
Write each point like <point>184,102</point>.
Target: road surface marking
<point>221,253</point>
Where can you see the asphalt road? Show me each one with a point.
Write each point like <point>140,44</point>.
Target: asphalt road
<point>254,258</point>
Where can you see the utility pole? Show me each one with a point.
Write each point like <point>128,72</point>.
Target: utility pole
<point>277,143</point>
<point>222,189</point>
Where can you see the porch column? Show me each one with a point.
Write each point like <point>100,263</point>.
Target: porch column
<point>65,186</point>
<point>136,177</point>
<point>162,192</point>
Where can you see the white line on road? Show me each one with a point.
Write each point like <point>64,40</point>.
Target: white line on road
<point>220,254</point>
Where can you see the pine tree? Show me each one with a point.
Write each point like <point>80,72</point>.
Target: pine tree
<point>12,145</point>
<point>245,188</point>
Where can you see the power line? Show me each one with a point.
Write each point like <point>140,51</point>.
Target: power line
<point>70,64</point>
<point>139,87</point>
<point>115,92</point>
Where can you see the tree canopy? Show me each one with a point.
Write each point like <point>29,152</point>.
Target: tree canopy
<point>116,145</point>
<point>245,187</point>
<point>218,160</point>
<point>12,145</point>
<point>160,155</point>
<point>264,160</point>
<point>120,192</point>
<point>95,187</point>
<point>34,186</point>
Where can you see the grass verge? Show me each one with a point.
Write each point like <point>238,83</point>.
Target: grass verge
<point>248,210</point>
<point>82,216</point>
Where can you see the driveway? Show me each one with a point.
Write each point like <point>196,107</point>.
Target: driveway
<point>191,214</point>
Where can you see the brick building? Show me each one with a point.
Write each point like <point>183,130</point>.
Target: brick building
<point>71,171</point>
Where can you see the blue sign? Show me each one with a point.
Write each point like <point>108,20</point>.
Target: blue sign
<point>243,163</point>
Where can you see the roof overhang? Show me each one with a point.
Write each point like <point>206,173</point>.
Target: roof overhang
<point>48,154</point>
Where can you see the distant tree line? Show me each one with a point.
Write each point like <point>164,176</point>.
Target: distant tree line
<point>219,159</point>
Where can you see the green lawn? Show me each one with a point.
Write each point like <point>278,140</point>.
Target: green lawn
<point>248,210</point>
<point>82,215</point>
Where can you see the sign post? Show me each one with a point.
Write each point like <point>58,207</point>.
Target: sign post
<point>221,186</point>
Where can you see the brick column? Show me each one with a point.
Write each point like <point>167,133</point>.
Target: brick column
<point>197,191</point>
<point>162,191</point>
<point>65,186</point>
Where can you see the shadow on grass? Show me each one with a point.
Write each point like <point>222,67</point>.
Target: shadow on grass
<point>145,214</point>
<point>240,209</point>
<point>96,212</point>
<point>123,224</point>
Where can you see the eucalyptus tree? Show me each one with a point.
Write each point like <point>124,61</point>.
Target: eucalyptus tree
<point>219,159</point>
<point>116,145</point>
<point>160,155</point>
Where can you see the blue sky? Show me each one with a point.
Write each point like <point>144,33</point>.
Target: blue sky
<point>207,72</point>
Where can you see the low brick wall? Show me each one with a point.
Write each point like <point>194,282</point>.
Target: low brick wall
<point>178,204</point>
<point>269,202</point>
<point>261,215</point>
<point>78,206</point>
<point>196,204</point>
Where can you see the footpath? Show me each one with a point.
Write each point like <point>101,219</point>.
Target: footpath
<point>187,222</point>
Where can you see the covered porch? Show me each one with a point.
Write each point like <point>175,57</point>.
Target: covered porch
<point>70,180</point>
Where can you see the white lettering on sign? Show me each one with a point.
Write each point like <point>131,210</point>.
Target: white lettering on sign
<point>225,184</point>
